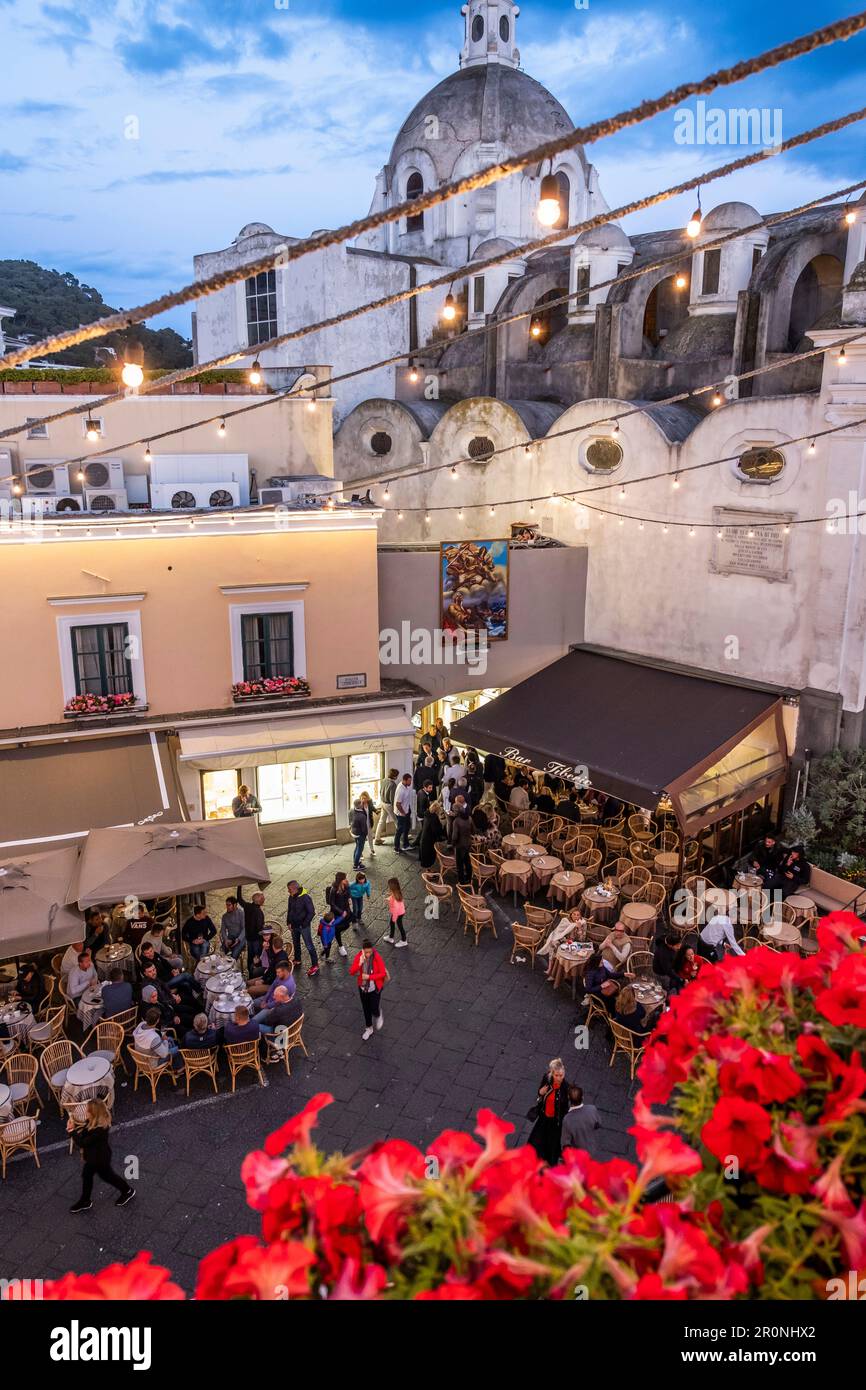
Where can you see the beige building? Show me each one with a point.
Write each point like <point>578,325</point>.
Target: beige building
<point>167,616</point>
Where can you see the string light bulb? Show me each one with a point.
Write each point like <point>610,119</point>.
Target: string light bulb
<point>549,208</point>
<point>640,526</point>
<point>842,358</point>
<point>664,530</point>
<point>387,493</point>
<point>614,429</point>
<point>622,493</point>
<point>717,400</point>
<point>147,454</point>
<point>811,448</point>
<point>492,511</point>
<point>399,516</point>
<point>256,373</point>
<point>427,518</point>
<point>91,429</point>
<point>132,371</point>
<point>449,308</point>
<point>454,473</point>
<point>312,403</point>
<point>80,475</point>
<point>675,481</point>
<point>413,371</point>
<point>691,531</point>
<point>460,514</point>
<point>221,431</point>
<point>850,217</point>
<point>532,508</point>
<point>693,226</point>
<point>681,282</point>
<point>535,330</point>
<point>622,521</point>
<point>16,489</point>
<point>527,449</point>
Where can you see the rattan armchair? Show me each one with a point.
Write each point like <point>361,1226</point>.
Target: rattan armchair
<point>447,862</point>
<point>526,938</point>
<point>244,1056</point>
<point>47,1028</point>
<point>153,1069</point>
<point>17,1136</point>
<point>105,1039</point>
<point>639,965</point>
<point>630,1044</point>
<point>438,889</point>
<point>200,1061</point>
<point>482,872</point>
<point>55,1062</point>
<point>279,1044</point>
<point>479,919</point>
<point>20,1072</point>
<point>640,829</point>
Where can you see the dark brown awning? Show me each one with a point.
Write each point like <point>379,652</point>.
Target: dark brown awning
<point>53,793</point>
<point>639,731</point>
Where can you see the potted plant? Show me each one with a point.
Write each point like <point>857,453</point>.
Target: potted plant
<point>270,687</point>
<point>91,706</point>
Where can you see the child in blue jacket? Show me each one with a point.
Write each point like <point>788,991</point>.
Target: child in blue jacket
<point>358,891</point>
<point>327,932</point>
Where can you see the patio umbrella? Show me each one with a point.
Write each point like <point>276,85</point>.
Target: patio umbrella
<point>149,861</point>
<point>35,890</point>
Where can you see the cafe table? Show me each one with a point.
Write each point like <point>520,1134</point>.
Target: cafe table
<point>783,934</point>
<point>221,1007</point>
<point>565,887</point>
<point>649,994</point>
<point>746,880</point>
<point>570,961</point>
<point>529,852</point>
<point>117,956</point>
<point>600,903</point>
<point>638,917</point>
<point>667,864</point>
<point>719,899</point>
<point>511,843</point>
<point>90,1078</point>
<point>18,1018</point>
<point>89,1009</point>
<point>544,866</point>
<point>804,907</point>
<point>6,1108</point>
<point>515,877</point>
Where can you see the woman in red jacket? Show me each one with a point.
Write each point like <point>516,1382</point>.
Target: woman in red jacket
<point>372,973</point>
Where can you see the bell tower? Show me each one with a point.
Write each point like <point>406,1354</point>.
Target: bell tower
<point>491,33</point>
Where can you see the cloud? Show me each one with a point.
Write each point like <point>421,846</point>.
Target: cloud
<point>158,178</point>
<point>12,163</point>
<point>168,48</point>
<point>36,110</point>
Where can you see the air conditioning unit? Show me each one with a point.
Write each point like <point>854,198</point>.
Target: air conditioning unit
<point>46,475</point>
<point>310,488</point>
<point>49,503</point>
<point>209,470</point>
<point>104,474</point>
<point>190,497</point>
<point>105,499</point>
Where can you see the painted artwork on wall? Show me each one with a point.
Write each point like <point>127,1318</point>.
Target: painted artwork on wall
<point>474,587</point>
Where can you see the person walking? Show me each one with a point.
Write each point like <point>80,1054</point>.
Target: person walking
<point>358,891</point>
<point>403,813</point>
<point>372,811</point>
<point>580,1122</point>
<point>372,973</point>
<point>339,900</point>
<point>396,912</point>
<point>299,914</point>
<point>549,1112</point>
<point>461,838</point>
<point>387,792</point>
<point>91,1139</point>
<point>359,825</point>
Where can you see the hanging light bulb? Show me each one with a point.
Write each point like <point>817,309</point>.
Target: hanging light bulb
<point>147,454</point>
<point>664,530</point>
<point>842,358</point>
<point>693,226</point>
<point>413,371</point>
<point>751,535</point>
<point>16,489</point>
<point>785,529</point>
<point>622,493</point>
<point>399,516</point>
<point>692,531</point>
<point>460,514</point>
<point>80,475</point>
<point>221,431</point>
<point>153,530</point>
<point>132,371</point>
<point>427,518</point>
<point>312,403</point>
<point>675,482</point>
<point>535,330</point>
<point>91,429</point>
<point>717,400</point>
<point>454,473</point>
<point>681,282</point>
<point>811,448</point>
<point>256,373</point>
<point>532,507</point>
<point>387,493</point>
<point>527,449</point>
<point>640,526</point>
<point>718,535</point>
<point>850,216</point>
<point>555,499</point>
<point>622,521</point>
<point>549,208</point>
<point>492,511</point>
<point>449,308</point>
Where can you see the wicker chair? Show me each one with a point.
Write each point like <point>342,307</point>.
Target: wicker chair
<point>447,862</point>
<point>630,1044</point>
<point>497,858</point>
<point>525,822</point>
<point>666,842</point>
<point>107,1038</point>
<point>591,868</point>
<point>634,878</point>
<point>482,872</point>
<point>641,852</point>
<point>469,900</point>
<point>18,1136</point>
<point>69,1005</point>
<point>440,890</point>
<point>541,917</point>
<point>691,854</point>
<point>597,1009</point>
<point>544,829</point>
<point>55,1062</point>
<point>280,1043</point>
<point>652,892</point>
<point>153,1069</point>
<point>20,1072</point>
<point>47,1028</point>
<point>244,1056</point>
<point>639,965</point>
<point>561,841</point>
<point>617,868</point>
<point>639,829</point>
<point>615,843</point>
<point>479,919</point>
<point>526,939</point>
<point>200,1061</point>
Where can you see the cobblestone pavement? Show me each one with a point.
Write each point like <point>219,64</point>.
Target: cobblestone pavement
<point>463,1029</point>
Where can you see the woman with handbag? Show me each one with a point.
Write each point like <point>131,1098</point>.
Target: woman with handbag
<point>549,1112</point>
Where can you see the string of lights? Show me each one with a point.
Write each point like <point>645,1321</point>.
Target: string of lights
<point>494,324</point>
<point>828,34</point>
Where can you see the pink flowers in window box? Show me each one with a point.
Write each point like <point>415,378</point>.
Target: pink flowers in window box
<point>270,685</point>
<point>99,704</point>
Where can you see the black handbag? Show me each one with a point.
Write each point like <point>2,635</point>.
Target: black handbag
<point>534,1111</point>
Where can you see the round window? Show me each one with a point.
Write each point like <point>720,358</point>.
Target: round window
<point>504,29</point>
<point>481,449</point>
<point>381,443</point>
<point>477,28</point>
<point>761,465</point>
<point>603,455</point>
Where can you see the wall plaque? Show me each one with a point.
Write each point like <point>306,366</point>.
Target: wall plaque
<point>751,542</point>
<point>356,681</point>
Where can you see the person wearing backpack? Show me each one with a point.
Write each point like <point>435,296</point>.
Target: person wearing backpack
<point>338,900</point>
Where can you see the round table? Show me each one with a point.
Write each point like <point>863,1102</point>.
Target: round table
<point>514,877</point>
<point>601,905</point>
<point>221,1007</point>
<point>637,916</point>
<point>6,1110</point>
<point>751,906</point>
<point>667,864</point>
<point>18,1019</point>
<point>512,842</point>
<point>744,880</point>
<point>215,966</point>
<point>783,934</point>
<point>116,957</point>
<point>569,962</point>
<point>91,1078</point>
<point>529,852</point>
<point>89,1009</point>
<point>565,887</point>
<point>544,866</point>
<point>649,994</point>
<point>804,907</point>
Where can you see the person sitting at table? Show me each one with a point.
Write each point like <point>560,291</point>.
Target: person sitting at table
<point>147,955</point>
<point>664,962</point>
<point>628,1012</point>
<point>137,926</point>
<point>569,928</point>
<point>616,947</point>
<point>598,983</point>
<point>283,979</point>
<point>241,1028</point>
<point>686,964</point>
<point>273,953</point>
<point>70,958</point>
<point>117,994</point>
<point>97,935</point>
<point>543,801</point>
<point>198,932</point>
<point>232,929</point>
<point>201,1036</point>
<point>81,976</point>
<point>716,935</point>
<point>30,985</point>
<point>156,993</point>
<point>148,1036</point>
<point>518,798</point>
<point>765,858</point>
<point>794,871</point>
<point>155,937</point>
<point>282,1013</point>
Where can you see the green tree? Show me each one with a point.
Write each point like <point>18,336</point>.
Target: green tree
<point>837,799</point>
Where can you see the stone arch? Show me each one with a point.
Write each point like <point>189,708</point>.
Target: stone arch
<point>665,308</point>
<point>776,277</point>
<point>632,296</point>
<point>818,288</point>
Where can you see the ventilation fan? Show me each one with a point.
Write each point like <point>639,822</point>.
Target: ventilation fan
<point>104,474</point>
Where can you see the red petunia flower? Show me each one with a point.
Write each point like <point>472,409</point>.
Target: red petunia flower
<point>844,1003</point>
<point>358,1282</point>
<point>271,1273</point>
<point>136,1282</point>
<point>215,1267</point>
<point>390,1178</point>
<point>299,1128</point>
<point>737,1129</point>
<point>663,1154</point>
<point>758,1075</point>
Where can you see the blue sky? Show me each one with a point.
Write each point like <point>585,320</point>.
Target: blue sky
<point>247,111</point>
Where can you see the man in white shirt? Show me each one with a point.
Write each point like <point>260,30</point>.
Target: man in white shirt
<point>70,958</point>
<point>81,976</point>
<point>403,812</point>
<point>718,933</point>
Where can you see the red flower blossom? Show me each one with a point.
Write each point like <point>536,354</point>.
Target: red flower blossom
<point>390,1179</point>
<point>844,1003</point>
<point>761,1076</point>
<point>258,1174</point>
<point>650,1287</point>
<point>136,1282</point>
<point>215,1267</point>
<point>270,1273</point>
<point>357,1282</point>
<point>664,1154</point>
<point>846,1097</point>
<point>299,1128</point>
<point>737,1129</point>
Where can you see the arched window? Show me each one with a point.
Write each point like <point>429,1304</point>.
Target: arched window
<point>477,29</point>
<point>817,290</point>
<point>504,29</point>
<point>564,198</point>
<point>414,189</point>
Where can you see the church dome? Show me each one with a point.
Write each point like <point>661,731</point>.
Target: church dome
<point>608,237</point>
<point>490,103</point>
<point>730,217</point>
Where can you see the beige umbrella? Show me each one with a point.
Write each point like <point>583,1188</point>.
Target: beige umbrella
<point>34,892</point>
<point>147,861</point>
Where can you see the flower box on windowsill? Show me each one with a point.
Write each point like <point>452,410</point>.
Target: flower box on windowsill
<point>254,692</point>
<point>107,711</point>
